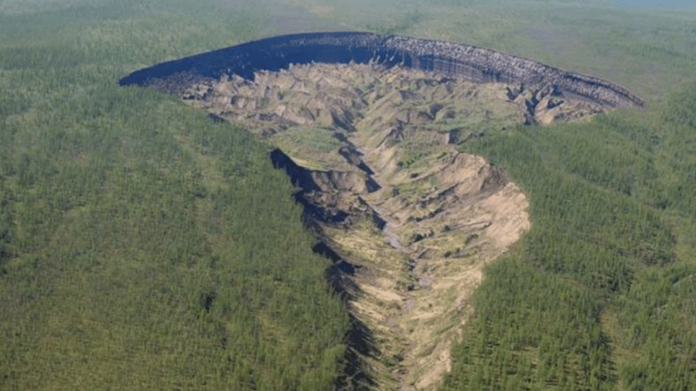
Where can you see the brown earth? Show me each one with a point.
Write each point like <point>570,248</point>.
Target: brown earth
<point>416,217</point>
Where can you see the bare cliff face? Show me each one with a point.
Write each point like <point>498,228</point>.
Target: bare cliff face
<point>367,128</point>
<point>464,61</point>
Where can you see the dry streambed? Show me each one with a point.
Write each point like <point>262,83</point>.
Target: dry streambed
<point>373,152</point>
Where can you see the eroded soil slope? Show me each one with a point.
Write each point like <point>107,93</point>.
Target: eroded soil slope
<point>373,152</point>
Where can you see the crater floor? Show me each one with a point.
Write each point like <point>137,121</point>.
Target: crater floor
<point>391,194</point>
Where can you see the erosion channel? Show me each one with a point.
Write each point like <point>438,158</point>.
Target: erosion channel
<point>408,220</point>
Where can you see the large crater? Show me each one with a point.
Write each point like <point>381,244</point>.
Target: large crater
<point>366,126</point>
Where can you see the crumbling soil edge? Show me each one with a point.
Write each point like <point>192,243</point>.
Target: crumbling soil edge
<point>467,61</point>
<point>359,340</point>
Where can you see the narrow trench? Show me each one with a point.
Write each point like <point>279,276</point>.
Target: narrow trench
<point>359,340</point>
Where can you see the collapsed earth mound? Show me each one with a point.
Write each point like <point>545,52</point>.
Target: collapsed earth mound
<point>367,128</point>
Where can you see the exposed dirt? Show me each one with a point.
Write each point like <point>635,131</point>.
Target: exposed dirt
<point>408,220</point>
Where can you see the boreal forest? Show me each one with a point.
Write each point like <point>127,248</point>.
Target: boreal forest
<point>146,244</point>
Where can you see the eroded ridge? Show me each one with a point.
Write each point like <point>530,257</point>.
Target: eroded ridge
<point>408,220</point>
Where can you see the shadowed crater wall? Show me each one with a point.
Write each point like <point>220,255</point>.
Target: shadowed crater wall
<point>470,62</point>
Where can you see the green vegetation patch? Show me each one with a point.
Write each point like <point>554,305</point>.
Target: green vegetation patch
<point>318,144</point>
<point>597,294</point>
<point>142,246</point>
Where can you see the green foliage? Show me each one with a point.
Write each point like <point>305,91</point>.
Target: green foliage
<point>403,25</point>
<point>596,296</point>
<point>142,246</point>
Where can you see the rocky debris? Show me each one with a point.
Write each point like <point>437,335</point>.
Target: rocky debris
<point>395,102</point>
<point>485,65</point>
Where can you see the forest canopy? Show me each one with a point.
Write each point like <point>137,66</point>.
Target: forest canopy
<point>144,246</point>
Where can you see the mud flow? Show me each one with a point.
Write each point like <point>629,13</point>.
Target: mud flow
<point>408,221</point>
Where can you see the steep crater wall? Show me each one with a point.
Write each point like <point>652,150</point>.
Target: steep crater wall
<point>470,62</point>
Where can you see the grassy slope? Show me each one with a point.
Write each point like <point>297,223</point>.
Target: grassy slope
<point>143,246</point>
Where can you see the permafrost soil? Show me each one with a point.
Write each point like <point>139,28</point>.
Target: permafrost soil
<point>408,220</point>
